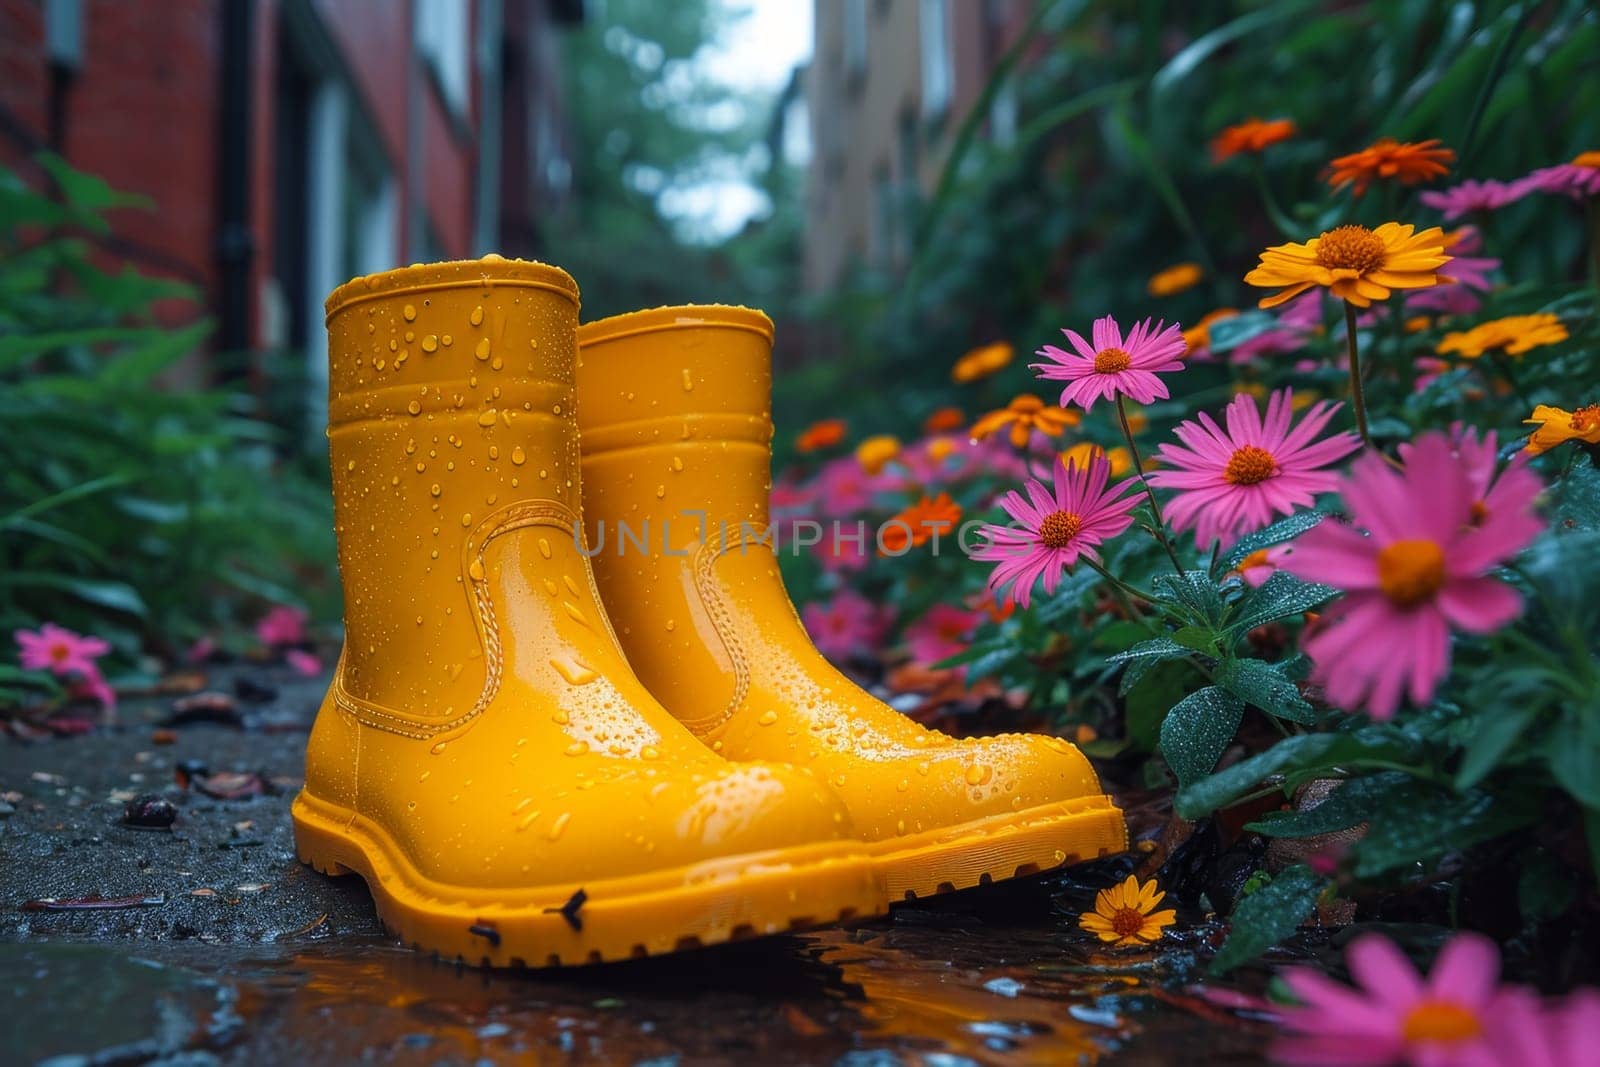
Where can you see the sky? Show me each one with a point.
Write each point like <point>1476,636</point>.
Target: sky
<point>758,52</point>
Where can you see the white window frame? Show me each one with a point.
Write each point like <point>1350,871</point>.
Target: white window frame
<point>938,65</point>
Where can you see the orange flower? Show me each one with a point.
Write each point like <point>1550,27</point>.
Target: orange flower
<point>1198,336</point>
<point>1126,914</point>
<point>820,435</point>
<point>944,420</point>
<point>1557,426</point>
<point>1356,264</point>
<point>1408,163</point>
<point>1251,135</point>
<point>1025,414</point>
<point>1175,279</point>
<point>981,362</point>
<point>1515,334</point>
<point>917,524</point>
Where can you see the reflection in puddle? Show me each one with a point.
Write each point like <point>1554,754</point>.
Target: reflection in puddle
<point>933,986</point>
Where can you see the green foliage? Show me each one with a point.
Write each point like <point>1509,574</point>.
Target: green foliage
<point>132,505</point>
<point>1107,180</point>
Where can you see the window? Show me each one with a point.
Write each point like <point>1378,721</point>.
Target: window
<point>938,74</point>
<point>441,36</point>
<point>855,39</point>
<point>1003,114</point>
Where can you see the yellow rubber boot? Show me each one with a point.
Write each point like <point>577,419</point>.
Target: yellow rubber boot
<point>485,758</point>
<point>675,418</point>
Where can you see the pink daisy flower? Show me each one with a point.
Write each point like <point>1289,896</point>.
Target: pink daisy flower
<point>93,686</point>
<point>303,663</point>
<point>1232,482</point>
<point>1529,1032</point>
<point>282,625</point>
<point>1051,530</point>
<point>942,632</point>
<point>1114,365</point>
<point>840,551</point>
<point>1469,276</point>
<point>1579,179</point>
<point>845,625</point>
<point>60,651</point>
<point>1470,197</point>
<point>844,488</point>
<point>1394,1015</point>
<point>1413,564</point>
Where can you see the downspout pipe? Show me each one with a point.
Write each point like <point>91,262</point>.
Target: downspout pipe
<point>236,244</point>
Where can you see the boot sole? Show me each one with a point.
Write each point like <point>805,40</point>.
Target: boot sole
<point>726,899</point>
<point>998,847</point>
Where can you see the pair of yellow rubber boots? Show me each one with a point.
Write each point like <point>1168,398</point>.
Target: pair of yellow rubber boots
<point>576,718</point>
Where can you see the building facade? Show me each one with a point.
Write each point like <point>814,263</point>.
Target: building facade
<point>890,82</point>
<point>287,145</point>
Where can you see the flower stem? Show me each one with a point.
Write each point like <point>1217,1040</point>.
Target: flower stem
<point>1138,468</point>
<point>1125,591</point>
<point>1358,398</point>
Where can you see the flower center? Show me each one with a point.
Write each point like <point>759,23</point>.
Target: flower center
<point>1058,529</point>
<point>1587,159</point>
<point>1111,360</point>
<point>60,653</point>
<point>1249,465</point>
<point>1480,514</point>
<point>1410,572</point>
<point>1351,248</point>
<point>1128,922</point>
<point>1586,418</point>
<point>1438,1020</point>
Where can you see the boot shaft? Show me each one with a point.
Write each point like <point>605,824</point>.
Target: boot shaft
<point>451,397</point>
<point>677,425</point>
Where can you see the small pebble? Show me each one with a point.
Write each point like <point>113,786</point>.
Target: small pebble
<point>149,812</point>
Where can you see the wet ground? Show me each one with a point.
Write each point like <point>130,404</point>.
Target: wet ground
<point>206,942</point>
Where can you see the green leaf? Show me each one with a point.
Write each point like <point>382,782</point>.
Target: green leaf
<point>118,596</point>
<point>1265,686</point>
<point>1195,592</point>
<point>1279,597</point>
<point>1197,730</point>
<point>1492,737</point>
<point>1203,47</point>
<point>1442,822</point>
<point>1545,887</point>
<point>1351,804</point>
<point>1306,755</point>
<point>1157,648</point>
<point>1276,534</point>
<point>1269,915</point>
<point>1574,755</point>
<point>1160,685</point>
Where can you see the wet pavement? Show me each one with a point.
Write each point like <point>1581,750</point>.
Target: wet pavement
<point>206,942</point>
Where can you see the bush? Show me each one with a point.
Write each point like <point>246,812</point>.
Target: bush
<point>149,514</point>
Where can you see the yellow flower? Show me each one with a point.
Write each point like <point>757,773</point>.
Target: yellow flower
<point>1025,414</point>
<point>1301,399</point>
<point>1515,333</point>
<point>875,452</point>
<point>1123,915</point>
<point>820,435</point>
<point>1080,454</point>
<point>917,524</point>
<point>1175,279</point>
<point>981,362</point>
<point>1417,323</point>
<point>1255,389</point>
<point>1357,264</point>
<point>1557,426</point>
